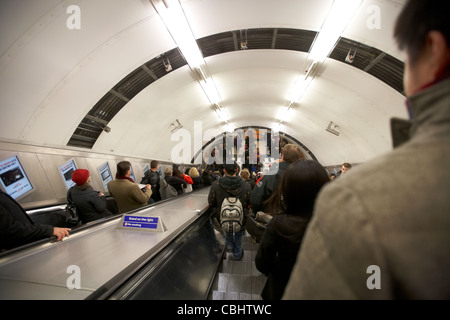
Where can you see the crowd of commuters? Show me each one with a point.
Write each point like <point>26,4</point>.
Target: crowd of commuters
<point>17,228</point>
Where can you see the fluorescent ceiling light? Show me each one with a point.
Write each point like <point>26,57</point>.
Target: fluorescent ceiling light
<point>276,127</point>
<point>211,91</point>
<point>228,128</point>
<point>173,17</point>
<point>338,18</point>
<point>285,114</point>
<point>222,114</point>
<point>299,88</point>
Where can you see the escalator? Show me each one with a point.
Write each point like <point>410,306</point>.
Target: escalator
<point>186,262</point>
<point>183,270</point>
<point>195,267</point>
<point>239,280</point>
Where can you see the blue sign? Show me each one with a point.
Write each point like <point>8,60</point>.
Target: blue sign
<point>140,222</point>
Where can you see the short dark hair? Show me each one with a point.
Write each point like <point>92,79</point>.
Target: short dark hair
<point>122,168</point>
<point>417,18</point>
<point>231,168</point>
<point>154,164</point>
<point>347,165</point>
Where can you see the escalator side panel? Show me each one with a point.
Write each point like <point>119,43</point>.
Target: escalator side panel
<point>185,271</point>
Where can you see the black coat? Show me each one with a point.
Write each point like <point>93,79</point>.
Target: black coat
<point>267,185</point>
<point>197,183</point>
<point>251,182</point>
<point>227,186</point>
<point>207,180</point>
<point>16,227</point>
<point>153,179</point>
<point>90,206</point>
<point>177,183</point>
<point>277,252</point>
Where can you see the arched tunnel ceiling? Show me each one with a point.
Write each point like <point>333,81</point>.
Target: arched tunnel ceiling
<point>60,86</point>
<point>371,60</point>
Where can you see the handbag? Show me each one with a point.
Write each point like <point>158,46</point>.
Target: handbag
<point>72,218</point>
<point>256,225</point>
<point>166,190</point>
<point>188,188</point>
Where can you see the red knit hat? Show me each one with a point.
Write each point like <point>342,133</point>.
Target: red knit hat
<point>80,176</point>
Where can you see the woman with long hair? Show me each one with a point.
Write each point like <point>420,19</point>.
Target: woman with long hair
<point>291,206</point>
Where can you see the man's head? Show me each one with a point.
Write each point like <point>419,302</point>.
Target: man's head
<point>291,153</point>
<point>423,31</point>
<point>123,169</point>
<point>154,165</point>
<point>231,169</point>
<point>345,167</point>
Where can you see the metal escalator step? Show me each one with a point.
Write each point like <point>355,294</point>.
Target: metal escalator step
<point>217,295</point>
<point>240,283</point>
<point>239,280</point>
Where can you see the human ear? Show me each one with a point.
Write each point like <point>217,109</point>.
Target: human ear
<point>438,52</point>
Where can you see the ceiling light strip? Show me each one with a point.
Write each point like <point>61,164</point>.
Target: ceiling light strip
<point>173,16</point>
<point>338,17</point>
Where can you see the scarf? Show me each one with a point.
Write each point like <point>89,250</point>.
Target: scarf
<point>123,177</point>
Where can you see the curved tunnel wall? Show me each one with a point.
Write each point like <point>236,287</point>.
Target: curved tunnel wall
<point>368,59</point>
<point>41,167</point>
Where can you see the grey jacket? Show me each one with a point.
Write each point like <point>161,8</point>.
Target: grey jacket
<point>383,231</point>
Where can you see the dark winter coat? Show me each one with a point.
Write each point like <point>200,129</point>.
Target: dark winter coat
<point>177,183</point>
<point>16,227</point>
<point>229,186</point>
<point>90,206</point>
<point>266,186</point>
<point>277,252</point>
<point>197,183</point>
<point>152,178</point>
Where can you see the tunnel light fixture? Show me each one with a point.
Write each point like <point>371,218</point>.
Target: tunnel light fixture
<point>222,114</point>
<point>173,16</point>
<point>285,114</point>
<point>299,88</point>
<point>210,90</point>
<point>228,128</point>
<point>276,127</point>
<point>339,16</point>
<point>176,23</point>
